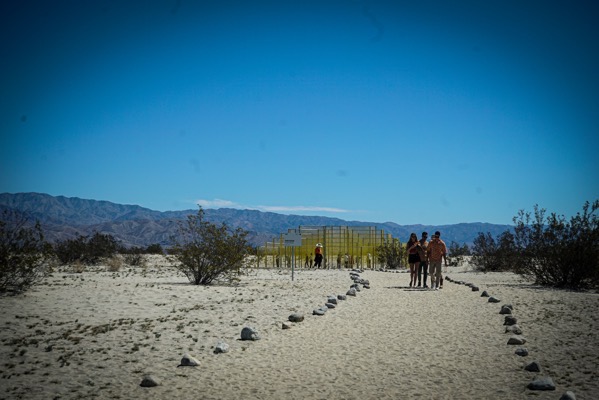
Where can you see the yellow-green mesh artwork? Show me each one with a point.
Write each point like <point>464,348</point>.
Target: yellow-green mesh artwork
<point>342,247</point>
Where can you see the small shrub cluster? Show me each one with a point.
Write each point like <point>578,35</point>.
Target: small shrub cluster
<point>135,260</point>
<point>89,250</point>
<point>114,263</point>
<point>155,248</point>
<point>77,267</point>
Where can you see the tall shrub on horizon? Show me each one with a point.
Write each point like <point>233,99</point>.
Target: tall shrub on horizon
<point>557,252</point>
<point>206,252</point>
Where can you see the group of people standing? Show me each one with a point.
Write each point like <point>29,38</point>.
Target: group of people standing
<point>425,258</point>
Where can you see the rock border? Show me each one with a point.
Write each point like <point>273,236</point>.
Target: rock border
<point>510,321</point>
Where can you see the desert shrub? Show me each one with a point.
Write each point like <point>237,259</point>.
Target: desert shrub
<point>71,250</point>
<point>135,260</point>
<point>77,267</point>
<point>557,252</point>
<point>392,254</point>
<point>114,263</point>
<point>205,252</point>
<point>85,249</point>
<point>489,254</point>
<point>24,254</point>
<point>100,246</point>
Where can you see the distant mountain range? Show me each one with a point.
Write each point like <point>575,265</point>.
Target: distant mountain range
<point>67,217</point>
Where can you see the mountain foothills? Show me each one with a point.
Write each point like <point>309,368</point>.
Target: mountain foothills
<point>67,217</point>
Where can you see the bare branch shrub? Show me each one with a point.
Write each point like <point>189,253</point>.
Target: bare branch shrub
<point>24,254</point>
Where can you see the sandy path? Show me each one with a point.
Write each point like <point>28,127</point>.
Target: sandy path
<point>97,334</point>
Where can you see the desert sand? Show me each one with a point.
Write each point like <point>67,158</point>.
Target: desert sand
<point>98,333</point>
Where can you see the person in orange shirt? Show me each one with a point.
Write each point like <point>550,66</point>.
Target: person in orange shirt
<point>437,252</point>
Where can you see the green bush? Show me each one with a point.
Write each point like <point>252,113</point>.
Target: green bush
<point>549,249</point>
<point>205,251</point>
<point>24,254</point>
<point>557,252</point>
<point>392,254</point>
<point>490,255</point>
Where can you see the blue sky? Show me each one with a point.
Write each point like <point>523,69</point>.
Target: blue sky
<point>412,112</point>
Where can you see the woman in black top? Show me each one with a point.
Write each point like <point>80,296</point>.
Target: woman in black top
<point>413,257</point>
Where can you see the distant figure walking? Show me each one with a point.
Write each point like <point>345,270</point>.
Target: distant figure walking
<point>413,257</point>
<point>437,252</point>
<point>318,255</point>
<point>423,267</point>
<point>308,262</point>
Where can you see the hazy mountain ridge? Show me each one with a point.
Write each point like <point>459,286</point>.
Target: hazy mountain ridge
<point>66,217</point>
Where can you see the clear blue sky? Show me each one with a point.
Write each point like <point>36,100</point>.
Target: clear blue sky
<point>407,111</point>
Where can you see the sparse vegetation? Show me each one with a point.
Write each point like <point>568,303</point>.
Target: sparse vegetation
<point>24,254</point>
<point>205,251</point>
<point>135,260</point>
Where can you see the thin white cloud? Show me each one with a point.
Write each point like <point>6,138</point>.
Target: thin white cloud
<point>301,209</point>
<point>219,203</point>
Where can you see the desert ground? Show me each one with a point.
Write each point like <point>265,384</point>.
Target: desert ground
<point>98,333</point>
